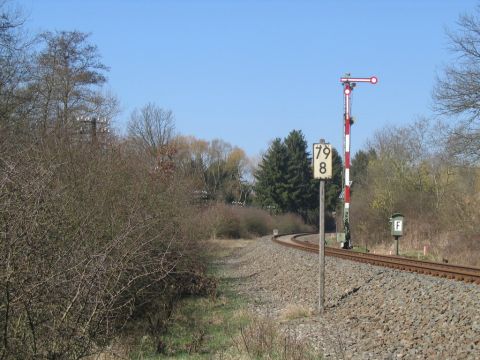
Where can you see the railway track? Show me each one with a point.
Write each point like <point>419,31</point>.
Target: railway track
<point>461,273</point>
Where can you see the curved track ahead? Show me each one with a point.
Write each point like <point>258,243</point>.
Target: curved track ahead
<point>462,273</point>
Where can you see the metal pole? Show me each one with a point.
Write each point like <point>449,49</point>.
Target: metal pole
<point>348,84</point>
<point>396,245</point>
<point>347,92</point>
<point>321,246</point>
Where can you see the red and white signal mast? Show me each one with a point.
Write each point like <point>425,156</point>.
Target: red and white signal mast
<point>349,84</point>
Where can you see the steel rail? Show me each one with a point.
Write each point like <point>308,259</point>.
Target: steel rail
<point>457,272</point>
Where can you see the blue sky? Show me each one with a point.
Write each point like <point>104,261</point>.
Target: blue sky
<point>248,71</point>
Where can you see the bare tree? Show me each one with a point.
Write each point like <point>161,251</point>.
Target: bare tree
<point>68,80</point>
<point>151,128</point>
<point>14,69</point>
<point>458,91</point>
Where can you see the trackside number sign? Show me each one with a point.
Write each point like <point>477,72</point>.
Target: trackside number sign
<point>322,161</point>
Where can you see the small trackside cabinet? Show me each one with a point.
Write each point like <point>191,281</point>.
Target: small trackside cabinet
<point>397,224</point>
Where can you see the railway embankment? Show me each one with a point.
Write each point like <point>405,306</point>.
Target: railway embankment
<point>371,312</point>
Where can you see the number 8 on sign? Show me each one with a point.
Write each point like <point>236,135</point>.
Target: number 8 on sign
<point>322,161</point>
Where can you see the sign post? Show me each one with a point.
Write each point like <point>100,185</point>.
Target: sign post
<point>322,169</point>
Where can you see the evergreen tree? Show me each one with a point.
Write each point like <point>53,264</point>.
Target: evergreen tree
<point>270,187</point>
<point>284,179</point>
<point>299,186</point>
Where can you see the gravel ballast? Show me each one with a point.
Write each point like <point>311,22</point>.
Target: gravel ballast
<point>371,312</point>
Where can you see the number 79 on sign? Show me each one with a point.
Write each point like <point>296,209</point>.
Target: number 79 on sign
<point>322,161</point>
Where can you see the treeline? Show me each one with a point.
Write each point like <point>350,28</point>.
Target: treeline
<point>221,169</point>
<point>217,168</point>
<point>412,170</point>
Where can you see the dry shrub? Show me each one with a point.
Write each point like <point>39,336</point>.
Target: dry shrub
<point>234,222</point>
<point>291,223</point>
<point>262,339</point>
<point>231,225</point>
<point>257,222</point>
<point>462,249</point>
<point>295,311</point>
<point>221,221</point>
<point>92,240</point>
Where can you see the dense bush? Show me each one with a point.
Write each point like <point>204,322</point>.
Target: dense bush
<point>96,243</point>
<point>92,239</point>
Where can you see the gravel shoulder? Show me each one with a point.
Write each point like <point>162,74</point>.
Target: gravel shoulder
<point>371,312</point>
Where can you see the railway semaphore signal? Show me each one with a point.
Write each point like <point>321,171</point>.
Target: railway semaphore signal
<point>348,84</point>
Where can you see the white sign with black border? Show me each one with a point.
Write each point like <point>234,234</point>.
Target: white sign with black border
<point>322,161</point>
